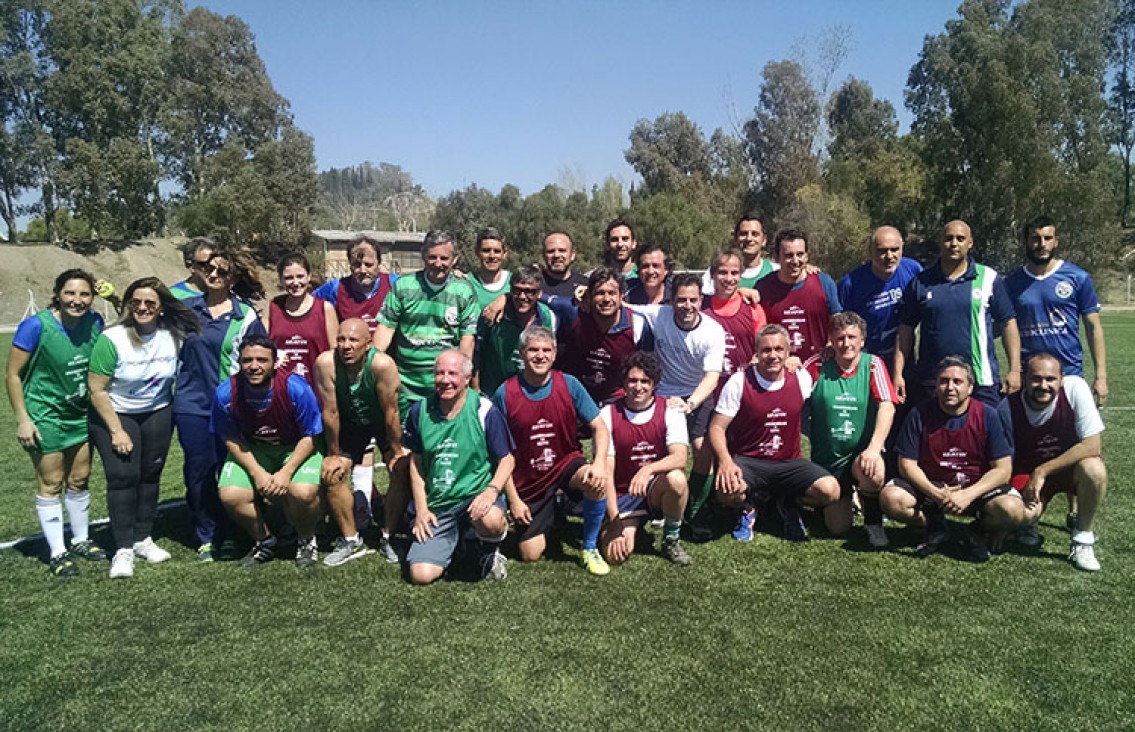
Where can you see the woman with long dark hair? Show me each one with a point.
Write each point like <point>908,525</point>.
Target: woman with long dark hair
<point>207,357</point>
<point>132,371</point>
<point>47,385</point>
<point>301,325</point>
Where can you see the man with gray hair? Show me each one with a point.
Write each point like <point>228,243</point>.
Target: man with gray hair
<point>755,435</point>
<point>544,408</point>
<point>425,314</point>
<point>461,459</point>
<point>498,344</point>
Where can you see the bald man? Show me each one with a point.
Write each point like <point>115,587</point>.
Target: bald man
<point>873,290</point>
<point>960,307</point>
<point>358,391</point>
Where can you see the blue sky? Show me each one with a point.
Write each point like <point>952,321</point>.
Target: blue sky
<point>518,92</point>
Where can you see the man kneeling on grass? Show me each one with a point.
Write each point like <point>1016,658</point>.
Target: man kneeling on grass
<point>755,434</point>
<point>955,457</point>
<point>269,420</point>
<point>649,446</point>
<point>462,456</point>
<point>1056,429</point>
<point>544,408</point>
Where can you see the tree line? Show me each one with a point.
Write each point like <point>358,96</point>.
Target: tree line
<point>124,118</point>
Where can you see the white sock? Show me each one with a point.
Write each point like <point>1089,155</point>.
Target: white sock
<point>362,480</point>
<point>353,539</point>
<point>1083,537</point>
<point>50,512</point>
<point>79,514</point>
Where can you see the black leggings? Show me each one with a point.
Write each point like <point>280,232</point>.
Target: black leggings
<point>132,480</point>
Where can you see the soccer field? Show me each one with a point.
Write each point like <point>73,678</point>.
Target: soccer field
<point>828,635</point>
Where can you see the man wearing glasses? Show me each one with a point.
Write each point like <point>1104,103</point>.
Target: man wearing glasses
<point>498,344</point>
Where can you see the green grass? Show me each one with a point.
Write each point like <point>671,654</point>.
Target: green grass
<point>827,635</point>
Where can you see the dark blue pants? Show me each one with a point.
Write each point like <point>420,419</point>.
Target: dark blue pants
<point>204,456</point>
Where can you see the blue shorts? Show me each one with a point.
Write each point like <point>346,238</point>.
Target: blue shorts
<point>452,523</point>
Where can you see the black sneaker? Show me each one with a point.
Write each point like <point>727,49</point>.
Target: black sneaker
<point>673,550</point>
<point>792,520</point>
<point>63,565</point>
<point>932,544</point>
<point>975,548</point>
<point>88,550</point>
<point>262,552</point>
<point>307,555</point>
<point>700,526</point>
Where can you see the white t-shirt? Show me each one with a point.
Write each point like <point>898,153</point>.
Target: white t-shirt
<point>676,433</point>
<point>729,403</point>
<point>1079,394</point>
<point>685,355</point>
<point>144,374</point>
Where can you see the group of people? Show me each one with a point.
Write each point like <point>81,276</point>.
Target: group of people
<point>477,391</point>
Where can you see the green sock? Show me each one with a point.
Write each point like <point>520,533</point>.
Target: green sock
<point>700,484</point>
<point>671,527</point>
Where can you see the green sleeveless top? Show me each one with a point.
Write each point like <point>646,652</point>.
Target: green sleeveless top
<point>455,458</point>
<point>358,402</point>
<point>843,414</point>
<point>55,380</point>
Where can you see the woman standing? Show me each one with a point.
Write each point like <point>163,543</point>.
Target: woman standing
<point>47,385</point>
<point>302,326</point>
<point>132,370</point>
<point>225,317</point>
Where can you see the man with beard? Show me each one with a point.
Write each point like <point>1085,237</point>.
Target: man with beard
<point>620,245</point>
<point>1051,296</point>
<point>1056,430</point>
<point>955,457</point>
<point>559,280</point>
<point>269,420</point>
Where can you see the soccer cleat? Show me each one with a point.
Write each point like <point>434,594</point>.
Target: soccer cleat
<point>1028,535</point>
<point>975,549</point>
<point>345,551</point>
<point>933,543</point>
<point>123,564</point>
<point>307,555</point>
<point>792,520</point>
<point>206,553</point>
<point>699,525</point>
<point>673,550</point>
<point>876,535</point>
<point>88,550</point>
<point>745,522</point>
<point>494,566</point>
<point>386,551</point>
<point>595,563</point>
<point>260,553</point>
<point>1083,557</point>
<point>151,552</point>
<point>62,565</point>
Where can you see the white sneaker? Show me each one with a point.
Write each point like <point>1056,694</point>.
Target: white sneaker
<point>1083,556</point>
<point>151,552</point>
<point>876,535</point>
<point>123,564</point>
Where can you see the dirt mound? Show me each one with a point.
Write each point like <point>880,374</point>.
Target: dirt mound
<point>28,271</point>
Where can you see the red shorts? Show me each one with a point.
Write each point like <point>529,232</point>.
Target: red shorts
<point>1059,482</point>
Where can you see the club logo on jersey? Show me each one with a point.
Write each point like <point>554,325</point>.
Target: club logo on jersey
<point>1064,290</point>
<point>451,316</point>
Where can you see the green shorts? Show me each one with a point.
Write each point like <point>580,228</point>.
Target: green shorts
<point>56,435</point>
<point>271,458</point>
